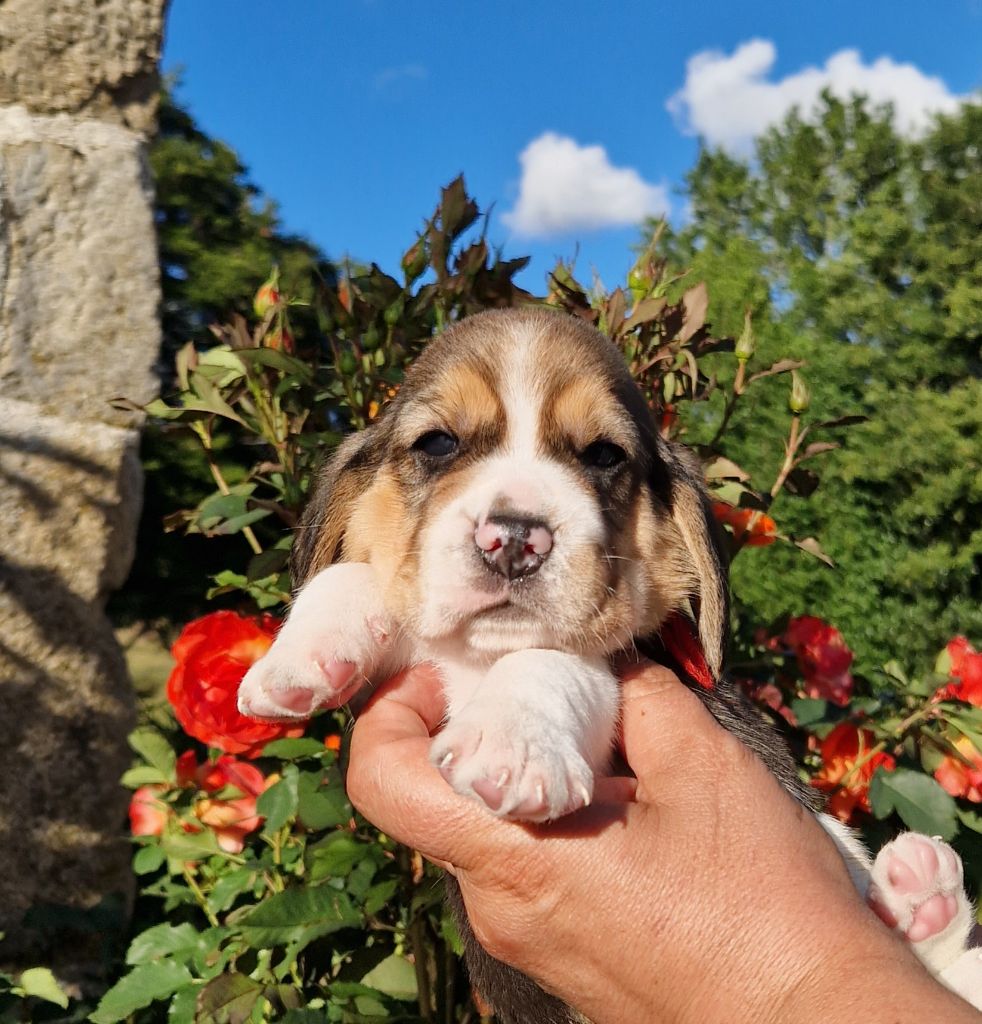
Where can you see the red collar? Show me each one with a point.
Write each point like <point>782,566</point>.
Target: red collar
<point>682,644</point>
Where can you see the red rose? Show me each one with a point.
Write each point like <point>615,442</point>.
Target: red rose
<point>750,526</point>
<point>823,658</point>
<point>148,815</point>
<point>213,653</point>
<point>966,672</point>
<point>962,776</point>
<point>233,818</point>
<point>847,768</point>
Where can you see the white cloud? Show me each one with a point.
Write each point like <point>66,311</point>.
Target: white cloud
<point>567,187</point>
<point>729,99</point>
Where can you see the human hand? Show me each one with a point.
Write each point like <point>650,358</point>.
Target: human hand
<point>699,892</point>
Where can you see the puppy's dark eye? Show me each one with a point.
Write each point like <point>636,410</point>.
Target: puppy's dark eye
<point>602,455</point>
<point>438,444</point>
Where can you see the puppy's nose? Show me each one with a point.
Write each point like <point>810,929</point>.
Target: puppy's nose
<point>513,545</point>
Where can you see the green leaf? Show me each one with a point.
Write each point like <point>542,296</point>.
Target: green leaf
<point>298,916</point>
<point>895,670</point>
<point>304,1016</point>
<point>229,886</point>
<point>322,806</point>
<point>335,856</point>
<point>378,895</point>
<point>921,803</point>
<point>225,359</point>
<point>369,1008</point>
<point>227,580</point>
<point>40,983</point>
<point>179,845</point>
<point>278,804</point>
<point>395,976</point>
<point>450,933</point>
<point>155,750</point>
<point>181,1009</point>
<point>809,710</point>
<point>237,523</point>
<point>143,775</point>
<point>148,859</point>
<point>211,399</point>
<point>163,940</point>
<point>221,506</point>
<point>930,753</point>
<point>160,410</point>
<point>294,750</point>
<point>970,819</point>
<point>140,988</point>
<point>227,999</point>
<point>277,360</point>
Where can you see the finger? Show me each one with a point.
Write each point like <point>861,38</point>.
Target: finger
<point>392,783</point>
<point>419,692</point>
<point>663,725</point>
<point>617,789</point>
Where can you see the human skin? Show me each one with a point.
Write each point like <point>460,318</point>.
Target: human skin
<point>701,892</point>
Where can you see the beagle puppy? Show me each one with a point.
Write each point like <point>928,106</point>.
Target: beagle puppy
<point>514,517</point>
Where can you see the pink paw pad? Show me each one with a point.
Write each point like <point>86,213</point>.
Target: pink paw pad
<point>932,917</point>
<point>304,700</point>
<point>492,789</point>
<point>915,884</point>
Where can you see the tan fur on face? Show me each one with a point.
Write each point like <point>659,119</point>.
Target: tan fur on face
<point>582,412</point>
<point>461,400</point>
<point>379,531</point>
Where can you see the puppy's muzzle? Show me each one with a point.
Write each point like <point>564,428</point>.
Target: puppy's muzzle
<point>513,546</point>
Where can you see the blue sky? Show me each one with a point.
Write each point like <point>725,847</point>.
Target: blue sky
<point>351,116</point>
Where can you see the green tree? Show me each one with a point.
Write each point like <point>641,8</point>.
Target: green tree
<point>860,252</point>
<point>219,238</point>
<point>218,235</point>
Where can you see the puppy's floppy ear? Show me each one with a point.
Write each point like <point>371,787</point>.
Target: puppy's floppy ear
<point>692,515</point>
<point>348,473</point>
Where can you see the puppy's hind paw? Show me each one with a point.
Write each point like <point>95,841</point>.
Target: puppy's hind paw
<point>917,889</point>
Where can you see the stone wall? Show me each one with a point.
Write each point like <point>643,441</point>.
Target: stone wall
<point>79,296</point>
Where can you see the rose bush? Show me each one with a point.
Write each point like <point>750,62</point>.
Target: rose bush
<point>276,902</point>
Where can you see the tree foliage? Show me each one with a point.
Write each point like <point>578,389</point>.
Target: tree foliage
<point>218,239</point>
<point>218,235</point>
<point>860,252</point>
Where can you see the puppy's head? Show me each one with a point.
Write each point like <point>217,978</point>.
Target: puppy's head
<point>515,494</point>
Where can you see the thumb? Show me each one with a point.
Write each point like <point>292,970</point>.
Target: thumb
<point>391,782</point>
<point>664,726</point>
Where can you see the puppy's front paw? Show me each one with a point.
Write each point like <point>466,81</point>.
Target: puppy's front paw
<point>517,772</point>
<point>337,634</point>
<point>917,888</point>
<point>288,684</point>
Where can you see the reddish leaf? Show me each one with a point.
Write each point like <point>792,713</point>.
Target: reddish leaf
<point>782,366</point>
<point>696,304</point>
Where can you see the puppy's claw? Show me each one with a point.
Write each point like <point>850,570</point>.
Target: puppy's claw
<point>446,760</point>
<point>585,793</point>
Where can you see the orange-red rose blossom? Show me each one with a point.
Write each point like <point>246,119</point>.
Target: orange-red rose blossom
<point>212,654</point>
